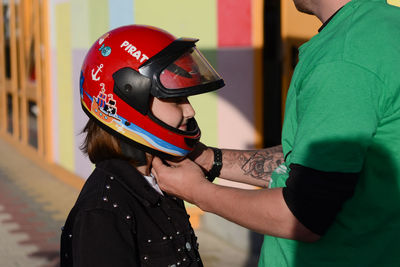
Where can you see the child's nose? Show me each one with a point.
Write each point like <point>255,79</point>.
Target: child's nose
<point>188,111</point>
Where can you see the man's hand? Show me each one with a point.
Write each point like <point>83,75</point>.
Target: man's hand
<point>182,179</point>
<point>263,211</point>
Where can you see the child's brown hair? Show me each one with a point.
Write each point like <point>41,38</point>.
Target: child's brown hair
<point>99,145</point>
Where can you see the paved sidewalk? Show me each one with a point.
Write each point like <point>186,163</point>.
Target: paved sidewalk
<point>34,205</point>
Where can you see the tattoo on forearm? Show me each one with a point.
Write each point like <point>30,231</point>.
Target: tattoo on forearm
<point>260,164</point>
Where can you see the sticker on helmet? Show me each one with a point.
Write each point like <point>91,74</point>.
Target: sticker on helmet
<point>95,73</point>
<point>104,106</point>
<point>81,80</point>
<point>120,128</point>
<point>102,38</point>
<point>133,51</point>
<point>105,50</point>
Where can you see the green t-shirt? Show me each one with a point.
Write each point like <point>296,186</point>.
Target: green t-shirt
<point>343,115</point>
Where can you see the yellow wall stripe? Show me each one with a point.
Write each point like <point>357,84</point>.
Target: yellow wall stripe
<point>64,85</point>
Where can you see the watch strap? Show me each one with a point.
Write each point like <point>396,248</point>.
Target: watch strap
<point>217,165</point>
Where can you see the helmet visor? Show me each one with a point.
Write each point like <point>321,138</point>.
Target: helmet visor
<point>191,69</point>
<point>180,70</point>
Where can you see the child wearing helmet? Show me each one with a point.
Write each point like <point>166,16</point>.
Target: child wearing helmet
<point>134,87</point>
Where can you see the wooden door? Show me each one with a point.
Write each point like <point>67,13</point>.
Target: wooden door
<point>23,83</point>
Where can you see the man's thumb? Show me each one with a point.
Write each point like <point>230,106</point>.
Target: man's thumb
<point>156,164</point>
<point>156,161</point>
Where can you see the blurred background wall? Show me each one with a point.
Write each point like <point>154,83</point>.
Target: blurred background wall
<point>251,43</point>
<point>230,34</point>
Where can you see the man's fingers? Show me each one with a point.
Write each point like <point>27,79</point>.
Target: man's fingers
<point>157,166</point>
<point>198,150</point>
<point>160,164</point>
<point>157,162</point>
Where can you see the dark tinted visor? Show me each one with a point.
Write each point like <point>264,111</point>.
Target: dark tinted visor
<point>181,70</point>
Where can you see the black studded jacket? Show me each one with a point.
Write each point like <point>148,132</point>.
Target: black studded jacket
<point>120,220</point>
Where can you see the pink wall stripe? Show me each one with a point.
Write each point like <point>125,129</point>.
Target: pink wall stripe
<point>234,23</point>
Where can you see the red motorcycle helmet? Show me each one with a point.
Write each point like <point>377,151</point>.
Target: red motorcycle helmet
<point>125,68</point>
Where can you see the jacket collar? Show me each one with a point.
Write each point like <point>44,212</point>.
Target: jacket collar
<point>131,179</point>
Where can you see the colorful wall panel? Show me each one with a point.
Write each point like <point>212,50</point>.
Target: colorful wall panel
<point>226,32</point>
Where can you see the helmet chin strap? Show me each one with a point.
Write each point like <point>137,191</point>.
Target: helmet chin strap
<point>131,152</point>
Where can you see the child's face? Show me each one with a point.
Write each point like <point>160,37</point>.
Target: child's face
<point>173,111</point>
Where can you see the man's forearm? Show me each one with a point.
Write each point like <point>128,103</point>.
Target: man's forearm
<point>251,166</point>
<point>263,211</point>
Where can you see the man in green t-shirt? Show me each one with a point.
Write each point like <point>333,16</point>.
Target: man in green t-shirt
<point>334,196</point>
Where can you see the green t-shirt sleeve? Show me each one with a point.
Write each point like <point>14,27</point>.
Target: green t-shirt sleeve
<point>337,108</point>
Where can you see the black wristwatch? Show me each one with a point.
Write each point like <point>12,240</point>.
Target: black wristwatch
<point>217,165</point>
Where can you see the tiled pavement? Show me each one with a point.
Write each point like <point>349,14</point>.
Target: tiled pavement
<point>34,205</point>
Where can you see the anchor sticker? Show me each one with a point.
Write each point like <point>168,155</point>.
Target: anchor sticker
<point>94,74</point>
